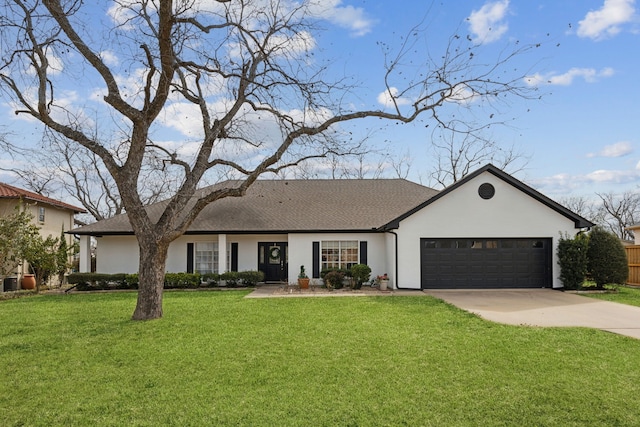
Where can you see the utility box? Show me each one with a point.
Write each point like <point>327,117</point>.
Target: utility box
<point>10,284</point>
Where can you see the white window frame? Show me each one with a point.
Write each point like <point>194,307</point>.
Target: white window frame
<point>344,254</point>
<point>213,257</point>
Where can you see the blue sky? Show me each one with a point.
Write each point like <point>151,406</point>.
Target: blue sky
<point>582,136</point>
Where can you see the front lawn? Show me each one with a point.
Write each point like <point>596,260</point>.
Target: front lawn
<point>624,295</point>
<point>219,359</point>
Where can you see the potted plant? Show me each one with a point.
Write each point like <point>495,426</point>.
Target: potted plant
<point>383,282</point>
<point>303,279</point>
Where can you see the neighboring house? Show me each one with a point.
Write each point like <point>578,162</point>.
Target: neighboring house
<point>488,230</point>
<point>49,215</point>
<point>635,229</point>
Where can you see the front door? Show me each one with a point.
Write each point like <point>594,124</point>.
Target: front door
<point>273,261</point>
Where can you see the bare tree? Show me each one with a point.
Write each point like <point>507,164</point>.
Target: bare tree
<point>585,207</point>
<point>619,211</point>
<point>59,165</point>
<point>458,153</point>
<point>242,70</point>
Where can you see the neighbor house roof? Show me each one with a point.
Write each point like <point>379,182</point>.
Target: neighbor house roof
<point>10,192</point>
<point>579,221</point>
<point>281,206</point>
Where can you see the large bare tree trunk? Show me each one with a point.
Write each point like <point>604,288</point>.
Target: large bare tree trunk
<point>153,258</point>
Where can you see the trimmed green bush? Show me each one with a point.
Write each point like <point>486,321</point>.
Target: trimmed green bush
<point>97,281</point>
<point>181,280</point>
<point>607,259</point>
<point>132,281</point>
<point>345,273</point>
<point>250,277</point>
<point>333,279</point>
<point>360,274</point>
<point>100,281</point>
<point>211,279</point>
<point>231,278</point>
<point>572,258</point>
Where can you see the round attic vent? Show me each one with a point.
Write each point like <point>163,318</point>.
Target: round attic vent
<point>486,191</point>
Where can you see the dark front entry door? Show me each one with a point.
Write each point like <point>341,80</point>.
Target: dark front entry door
<point>273,261</point>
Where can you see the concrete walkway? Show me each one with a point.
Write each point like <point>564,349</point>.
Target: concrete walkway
<point>545,307</point>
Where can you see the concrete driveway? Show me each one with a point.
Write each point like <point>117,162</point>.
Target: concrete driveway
<point>545,307</point>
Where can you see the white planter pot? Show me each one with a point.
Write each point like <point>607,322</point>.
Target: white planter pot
<point>383,285</point>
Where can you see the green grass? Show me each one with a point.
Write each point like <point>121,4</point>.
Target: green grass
<point>219,359</point>
<point>625,295</point>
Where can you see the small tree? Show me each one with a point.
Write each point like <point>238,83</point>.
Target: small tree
<point>572,258</point>
<point>62,257</point>
<point>42,256</point>
<point>16,230</point>
<point>607,259</point>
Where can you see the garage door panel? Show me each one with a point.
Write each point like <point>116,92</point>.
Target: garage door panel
<point>485,263</point>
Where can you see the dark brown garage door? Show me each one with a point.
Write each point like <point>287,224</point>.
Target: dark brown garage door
<point>485,263</point>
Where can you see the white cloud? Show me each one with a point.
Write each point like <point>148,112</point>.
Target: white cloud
<point>486,24</point>
<point>462,94</point>
<point>388,97</point>
<point>619,149</point>
<point>122,16</point>
<point>109,58</point>
<point>603,176</point>
<point>605,22</point>
<point>353,18</point>
<point>280,45</point>
<point>563,184</point>
<point>590,75</point>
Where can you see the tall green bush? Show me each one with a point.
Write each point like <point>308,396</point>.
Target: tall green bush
<point>607,259</point>
<point>360,274</point>
<point>573,261</point>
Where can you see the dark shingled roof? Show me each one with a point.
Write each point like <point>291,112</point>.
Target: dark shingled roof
<point>273,206</point>
<point>10,192</point>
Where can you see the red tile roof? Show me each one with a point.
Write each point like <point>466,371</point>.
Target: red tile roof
<point>10,192</point>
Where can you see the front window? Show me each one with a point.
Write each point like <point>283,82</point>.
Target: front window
<point>207,256</point>
<point>41,214</point>
<point>342,254</point>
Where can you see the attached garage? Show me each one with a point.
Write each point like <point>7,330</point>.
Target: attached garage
<point>467,263</point>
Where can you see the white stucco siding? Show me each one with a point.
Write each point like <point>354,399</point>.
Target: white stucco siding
<point>463,213</point>
<point>301,251</point>
<point>117,254</point>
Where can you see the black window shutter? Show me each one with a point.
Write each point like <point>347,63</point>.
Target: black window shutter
<point>363,252</point>
<point>189,257</point>
<point>315,273</point>
<point>234,257</point>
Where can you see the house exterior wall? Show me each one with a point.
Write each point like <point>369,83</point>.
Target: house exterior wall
<point>117,254</point>
<point>120,254</point>
<point>463,213</point>
<point>301,253</point>
<point>55,220</point>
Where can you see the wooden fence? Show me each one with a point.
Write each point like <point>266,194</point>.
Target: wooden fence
<point>633,259</point>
